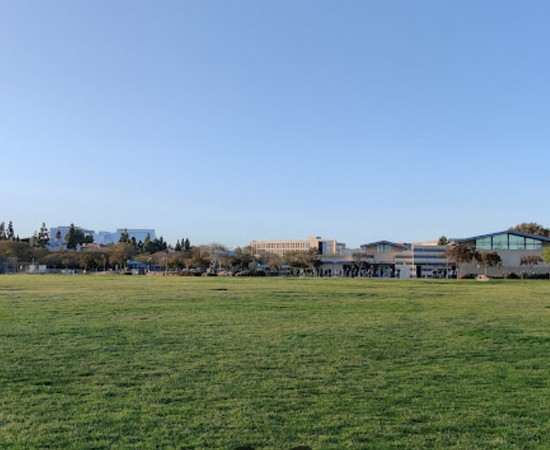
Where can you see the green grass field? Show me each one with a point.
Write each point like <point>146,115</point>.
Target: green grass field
<point>102,362</point>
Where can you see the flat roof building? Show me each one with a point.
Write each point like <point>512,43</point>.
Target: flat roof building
<point>57,235</point>
<point>280,247</point>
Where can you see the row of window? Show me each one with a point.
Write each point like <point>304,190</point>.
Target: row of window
<point>508,242</point>
<point>387,248</point>
<point>283,245</point>
<point>408,255</point>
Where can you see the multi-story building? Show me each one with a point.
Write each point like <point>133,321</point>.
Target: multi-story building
<point>139,234</point>
<point>57,235</point>
<point>280,247</point>
<point>428,260</point>
<point>392,260</point>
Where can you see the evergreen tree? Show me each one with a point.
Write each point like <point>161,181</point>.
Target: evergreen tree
<point>70,238</point>
<point>148,245</point>
<point>124,237</point>
<point>2,231</point>
<point>43,236</point>
<point>159,244</point>
<point>139,247</point>
<point>178,246</point>
<point>10,234</point>
<point>76,236</point>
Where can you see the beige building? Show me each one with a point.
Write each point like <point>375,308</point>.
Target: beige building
<point>385,259</point>
<point>280,247</point>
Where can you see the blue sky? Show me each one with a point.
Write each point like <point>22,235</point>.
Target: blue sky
<point>227,121</point>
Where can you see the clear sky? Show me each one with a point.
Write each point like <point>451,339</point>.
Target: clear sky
<point>231,120</point>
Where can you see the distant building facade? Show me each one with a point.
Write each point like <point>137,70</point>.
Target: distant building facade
<point>511,246</point>
<point>280,247</point>
<point>139,234</point>
<point>58,234</point>
<point>410,260</point>
<point>386,259</point>
<point>428,260</point>
<point>108,237</point>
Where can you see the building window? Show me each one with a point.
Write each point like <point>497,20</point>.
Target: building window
<point>516,242</point>
<point>484,244</point>
<point>383,248</point>
<point>508,242</point>
<point>532,244</point>
<point>500,242</point>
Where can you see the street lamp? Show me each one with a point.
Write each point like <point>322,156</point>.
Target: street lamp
<point>413,267</point>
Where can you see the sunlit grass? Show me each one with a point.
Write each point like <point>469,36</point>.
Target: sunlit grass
<point>138,362</point>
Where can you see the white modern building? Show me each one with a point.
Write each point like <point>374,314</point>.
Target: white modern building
<point>57,235</point>
<point>112,237</point>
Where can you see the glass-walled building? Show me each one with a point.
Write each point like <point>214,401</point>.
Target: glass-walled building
<point>512,246</point>
<point>58,234</point>
<point>509,241</point>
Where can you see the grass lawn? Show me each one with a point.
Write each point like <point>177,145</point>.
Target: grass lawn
<point>100,362</point>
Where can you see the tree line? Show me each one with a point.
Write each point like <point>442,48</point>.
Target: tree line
<point>67,253</point>
<point>202,258</point>
<point>40,238</point>
<point>211,258</point>
<point>76,253</point>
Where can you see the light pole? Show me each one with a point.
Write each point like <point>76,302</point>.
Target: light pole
<point>413,267</point>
